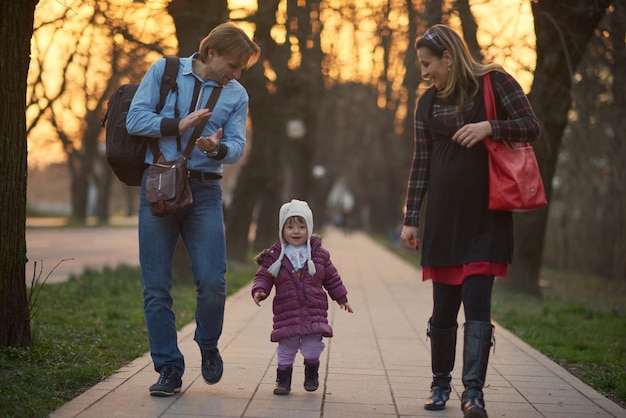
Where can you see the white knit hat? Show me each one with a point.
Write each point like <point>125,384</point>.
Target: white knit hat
<point>288,210</point>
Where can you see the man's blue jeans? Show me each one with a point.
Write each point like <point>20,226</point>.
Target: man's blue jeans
<point>202,230</point>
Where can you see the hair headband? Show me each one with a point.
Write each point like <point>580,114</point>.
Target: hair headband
<point>432,37</point>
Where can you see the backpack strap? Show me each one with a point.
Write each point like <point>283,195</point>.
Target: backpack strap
<point>168,83</point>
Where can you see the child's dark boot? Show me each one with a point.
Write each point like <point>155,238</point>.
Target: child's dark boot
<point>311,376</point>
<point>283,381</point>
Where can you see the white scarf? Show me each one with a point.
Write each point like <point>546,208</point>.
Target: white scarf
<point>296,255</point>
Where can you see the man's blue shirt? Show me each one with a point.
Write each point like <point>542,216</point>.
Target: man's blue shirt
<point>229,114</point>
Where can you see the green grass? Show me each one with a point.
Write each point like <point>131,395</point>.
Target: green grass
<point>84,330</point>
<point>588,341</point>
<point>579,322</point>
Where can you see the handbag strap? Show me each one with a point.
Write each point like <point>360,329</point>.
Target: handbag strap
<point>490,108</point>
<point>490,102</point>
<point>210,104</point>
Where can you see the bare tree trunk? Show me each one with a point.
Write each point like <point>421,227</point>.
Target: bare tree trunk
<point>16,30</point>
<point>294,94</point>
<point>79,186</point>
<point>618,168</point>
<point>193,19</point>
<point>469,29</point>
<point>259,184</point>
<point>563,30</point>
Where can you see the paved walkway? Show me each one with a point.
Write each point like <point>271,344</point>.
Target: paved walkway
<point>377,365</point>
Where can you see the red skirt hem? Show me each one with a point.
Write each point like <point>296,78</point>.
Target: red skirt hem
<point>455,275</point>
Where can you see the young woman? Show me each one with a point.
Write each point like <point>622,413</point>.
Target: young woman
<point>465,245</point>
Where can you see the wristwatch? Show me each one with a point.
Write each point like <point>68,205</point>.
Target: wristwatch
<point>213,153</point>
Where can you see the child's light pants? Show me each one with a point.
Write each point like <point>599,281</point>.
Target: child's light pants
<point>311,347</point>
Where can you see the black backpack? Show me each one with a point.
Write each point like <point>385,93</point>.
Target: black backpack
<point>126,153</point>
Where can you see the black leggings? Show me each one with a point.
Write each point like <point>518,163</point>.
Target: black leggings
<point>475,293</point>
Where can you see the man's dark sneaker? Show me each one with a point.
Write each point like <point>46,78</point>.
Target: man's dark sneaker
<point>212,366</point>
<point>168,384</point>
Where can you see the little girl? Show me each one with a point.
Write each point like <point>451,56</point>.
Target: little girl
<point>300,269</point>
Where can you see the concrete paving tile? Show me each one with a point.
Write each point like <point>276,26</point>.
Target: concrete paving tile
<point>524,370</point>
<point>345,373</point>
<point>71,409</point>
<point>292,405</point>
<point>544,383</point>
<point>410,391</point>
<point>125,404</point>
<point>572,410</point>
<point>365,391</point>
<point>344,409</point>
<point>198,403</point>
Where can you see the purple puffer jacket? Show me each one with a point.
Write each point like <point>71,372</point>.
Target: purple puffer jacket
<point>301,305</point>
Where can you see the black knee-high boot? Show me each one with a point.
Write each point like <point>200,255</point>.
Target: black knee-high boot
<point>477,343</point>
<point>442,354</point>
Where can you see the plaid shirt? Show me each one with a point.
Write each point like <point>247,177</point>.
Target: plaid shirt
<point>521,125</point>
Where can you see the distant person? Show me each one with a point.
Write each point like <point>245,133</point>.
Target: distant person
<point>464,243</point>
<point>301,271</point>
<point>347,210</point>
<point>221,58</point>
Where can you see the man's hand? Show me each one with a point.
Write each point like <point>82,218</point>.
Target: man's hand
<point>210,143</point>
<point>194,119</point>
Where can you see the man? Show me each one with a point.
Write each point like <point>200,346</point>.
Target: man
<point>222,56</point>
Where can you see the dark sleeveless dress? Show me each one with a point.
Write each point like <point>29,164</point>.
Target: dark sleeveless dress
<point>459,229</point>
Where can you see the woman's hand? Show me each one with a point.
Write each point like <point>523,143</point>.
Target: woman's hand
<point>472,133</point>
<point>410,237</point>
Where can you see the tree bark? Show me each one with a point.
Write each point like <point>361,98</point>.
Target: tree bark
<point>563,29</point>
<point>617,170</point>
<point>470,28</point>
<point>294,94</point>
<point>259,181</point>
<point>15,33</point>
<point>194,19</point>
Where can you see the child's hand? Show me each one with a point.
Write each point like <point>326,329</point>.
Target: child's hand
<point>258,297</point>
<point>346,307</point>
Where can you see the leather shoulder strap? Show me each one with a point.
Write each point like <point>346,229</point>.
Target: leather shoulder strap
<point>210,104</point>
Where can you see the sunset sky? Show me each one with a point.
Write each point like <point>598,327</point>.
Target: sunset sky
<point>505,32</point>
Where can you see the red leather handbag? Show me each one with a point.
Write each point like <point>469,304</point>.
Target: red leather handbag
<point>514,179</point>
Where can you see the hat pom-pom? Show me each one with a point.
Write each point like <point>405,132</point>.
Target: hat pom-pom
<point>311,265</point>
<point>274,268</point>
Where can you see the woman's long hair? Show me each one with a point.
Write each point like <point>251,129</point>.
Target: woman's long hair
<point>465,71</point>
